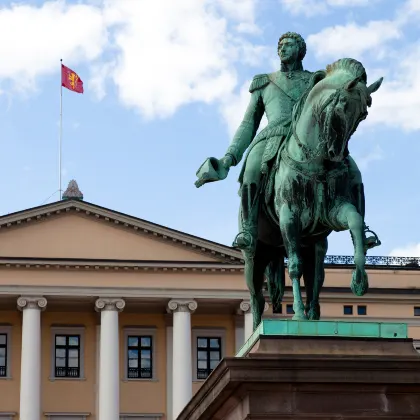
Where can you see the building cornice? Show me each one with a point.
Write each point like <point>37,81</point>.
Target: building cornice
<point>114,265</point>
<point>376,295</point>
<point>196,244</point>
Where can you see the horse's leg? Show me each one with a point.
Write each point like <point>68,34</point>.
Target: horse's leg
<point>290,230</point>
<point>275,281</point>
<point>319,252</point>
<point>308,257</point>
<point>348,218</point>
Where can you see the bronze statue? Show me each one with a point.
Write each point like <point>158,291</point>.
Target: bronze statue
<point>298,182</point>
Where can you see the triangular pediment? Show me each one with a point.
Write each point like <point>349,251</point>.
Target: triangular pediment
<point>80,230</point>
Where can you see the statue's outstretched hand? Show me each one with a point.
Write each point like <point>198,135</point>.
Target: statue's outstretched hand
<point>213,170</point>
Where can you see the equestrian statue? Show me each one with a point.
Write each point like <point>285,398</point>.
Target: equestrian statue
<point>298,182</point>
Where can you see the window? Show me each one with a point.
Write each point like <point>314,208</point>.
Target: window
<point>67,356</point>
<point>67,353</point>
<point>209,354</point>
<point>361,310</point>
<point>3,355</point>
<point>417,311</point>
<point>348,310</point>
<point>208,350</point>
<point>289,309</point>
<point>140,353</point>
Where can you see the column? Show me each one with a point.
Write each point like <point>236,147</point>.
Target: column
<point>245,307</point>
<point>182,361</point>
<point>30,374</point>
<point>109,361</point>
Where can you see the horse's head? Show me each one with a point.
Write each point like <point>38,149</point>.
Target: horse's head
<point>339,102</point>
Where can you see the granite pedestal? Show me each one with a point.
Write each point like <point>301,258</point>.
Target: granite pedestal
<point>315,370</point>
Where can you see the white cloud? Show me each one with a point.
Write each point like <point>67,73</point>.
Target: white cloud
<point>160,55</point>
<point>173,53</point>
<point>397,102</point>
<point>410,250</point>
<point>33,39</point>
<point>317,7</point>
<point>353,40</point>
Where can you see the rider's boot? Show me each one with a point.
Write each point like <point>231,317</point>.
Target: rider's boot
<point>247,238</point>
<point>359,198</point>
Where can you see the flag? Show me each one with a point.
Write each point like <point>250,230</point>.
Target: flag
<point>71,80</point>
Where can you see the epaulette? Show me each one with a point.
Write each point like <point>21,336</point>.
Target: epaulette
<point>259,81</point>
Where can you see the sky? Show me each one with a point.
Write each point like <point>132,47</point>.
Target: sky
<point>166,85</point>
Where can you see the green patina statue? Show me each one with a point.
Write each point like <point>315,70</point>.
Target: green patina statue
<point>298,181</point>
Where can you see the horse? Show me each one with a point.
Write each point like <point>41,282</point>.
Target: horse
<point>311,194</point>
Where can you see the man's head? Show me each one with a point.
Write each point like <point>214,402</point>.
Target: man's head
<point>291,48</point>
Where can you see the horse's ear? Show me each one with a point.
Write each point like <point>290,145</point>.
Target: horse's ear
<point>353,83</point>
<point>317,77</point>
<point>375,86</point>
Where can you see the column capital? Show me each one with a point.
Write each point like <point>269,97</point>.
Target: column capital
<point>182,305</point>
<point>109,304</point>
<point>31,302</point>
<point>245,307</point>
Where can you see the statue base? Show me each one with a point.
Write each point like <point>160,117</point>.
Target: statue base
<point>315,369</point>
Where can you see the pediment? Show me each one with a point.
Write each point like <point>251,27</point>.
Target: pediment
<point>81,230</point>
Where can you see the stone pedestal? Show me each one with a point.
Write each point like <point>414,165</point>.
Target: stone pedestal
<point>307,370</point>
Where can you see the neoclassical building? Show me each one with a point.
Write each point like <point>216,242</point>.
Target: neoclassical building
<point>107,316</point>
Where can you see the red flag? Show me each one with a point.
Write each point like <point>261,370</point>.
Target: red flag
<point>71,80</point>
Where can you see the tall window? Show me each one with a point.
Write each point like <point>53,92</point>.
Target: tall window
<point>209,353</point>
<point>140,361</point>
<point>3,355</point>
<point>67,356</point>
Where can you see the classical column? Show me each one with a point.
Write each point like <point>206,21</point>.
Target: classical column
<point>109,361</point>
<point>30,368</point>
<point>245,307</point>
<point>182,362</point>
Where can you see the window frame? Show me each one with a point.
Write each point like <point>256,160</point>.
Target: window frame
<point>141,332</point>
<point>416,309</point>
<point>68,330</point>
<point>351,312</point>
<point>290,306</point>
<point>207,333</point>
<point>7,330</point>
<point>358,310</point>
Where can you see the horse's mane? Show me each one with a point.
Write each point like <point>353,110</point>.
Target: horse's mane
<point>350,65</point>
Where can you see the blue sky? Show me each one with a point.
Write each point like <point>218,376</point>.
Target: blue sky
<point>166,84</point>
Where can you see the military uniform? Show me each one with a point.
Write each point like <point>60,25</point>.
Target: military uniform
<point>275,95</point>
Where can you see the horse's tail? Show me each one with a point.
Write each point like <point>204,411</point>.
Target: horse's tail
<point>275,275</point>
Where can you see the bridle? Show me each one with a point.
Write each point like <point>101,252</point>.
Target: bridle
<point>310,154</point>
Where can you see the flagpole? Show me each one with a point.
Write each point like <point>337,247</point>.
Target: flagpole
<point>61,127</point>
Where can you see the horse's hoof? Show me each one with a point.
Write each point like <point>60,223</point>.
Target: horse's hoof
<point>299,317</point>
<point>359,282</point>
<point>314,313</point>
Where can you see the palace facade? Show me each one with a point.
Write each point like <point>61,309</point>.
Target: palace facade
<point>107,316</point>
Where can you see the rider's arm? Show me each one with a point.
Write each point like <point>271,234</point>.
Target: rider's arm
<point>251,121</point>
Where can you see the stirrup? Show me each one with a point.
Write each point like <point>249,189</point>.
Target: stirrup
<point>372,241</point>
<point>247,238</point>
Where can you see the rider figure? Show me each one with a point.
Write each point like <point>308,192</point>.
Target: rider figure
<point>275,95</point>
